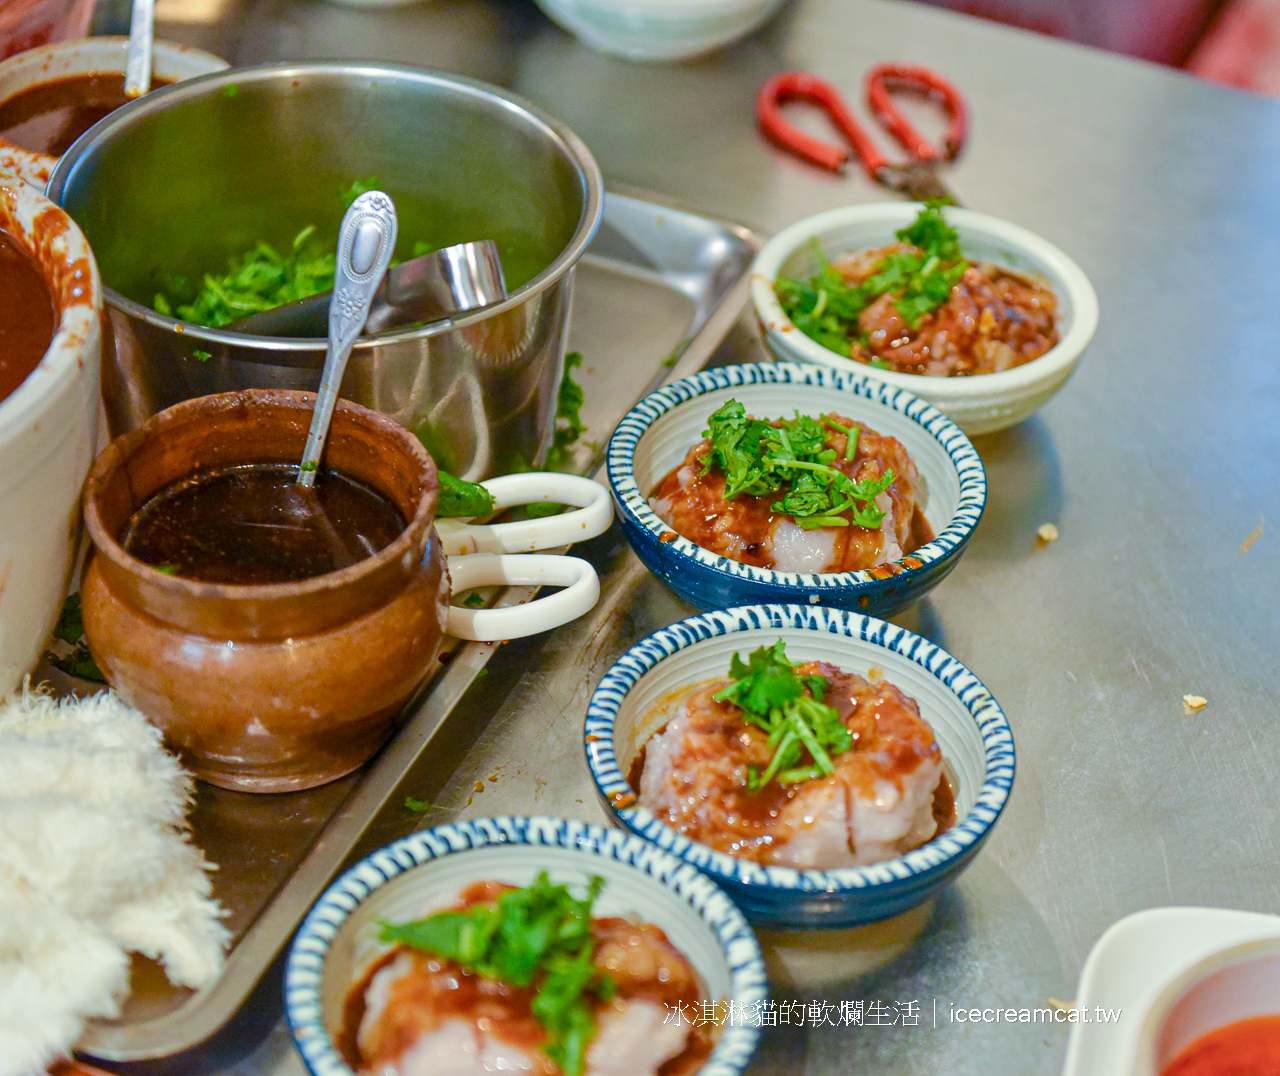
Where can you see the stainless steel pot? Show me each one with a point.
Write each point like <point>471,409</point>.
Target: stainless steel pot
<point>174,185</point>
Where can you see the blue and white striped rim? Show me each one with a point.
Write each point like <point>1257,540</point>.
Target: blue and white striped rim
<point>997,742</point>
<point>968,465</point>
<point>305,966</point>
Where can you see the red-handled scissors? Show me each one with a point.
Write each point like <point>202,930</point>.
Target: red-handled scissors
<point>917,176</point>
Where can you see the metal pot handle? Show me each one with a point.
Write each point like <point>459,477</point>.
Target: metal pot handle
<point>593,516</point>
<point>33,169</point>
<point>582,590</point>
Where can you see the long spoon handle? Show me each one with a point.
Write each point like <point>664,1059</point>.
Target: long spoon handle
<point>137,72</point>
<point>365,244</point>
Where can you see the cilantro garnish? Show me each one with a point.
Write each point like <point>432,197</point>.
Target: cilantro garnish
<point>461,498</point>
<point>70,630</point>
<point>569,430</point>
<point>826,308</point>
<point>760,459</point>
<point>537,936</point>
<point>569,424</point>
<point>789,707</point>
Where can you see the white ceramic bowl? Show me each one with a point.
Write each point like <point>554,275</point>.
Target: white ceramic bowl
<point>1238,983</point>
<point>658,29</point>
<point>94,55</point>
<point>1171,975</point>
<point>418,874</point>
<point>633,699</point>
<point>979,404</point>
<point>48,432</point>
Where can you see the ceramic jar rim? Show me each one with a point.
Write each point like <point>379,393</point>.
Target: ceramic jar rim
<point>407,547</point>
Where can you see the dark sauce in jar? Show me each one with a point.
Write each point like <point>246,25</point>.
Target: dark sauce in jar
<point>49,117</point>
<point>253,524</point>
<point>27,315</point>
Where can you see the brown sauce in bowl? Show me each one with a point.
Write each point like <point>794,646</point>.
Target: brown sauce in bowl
<point>49,117</point>
<point>27,315</point>
<point>701,789</point>
<point>639,958</point>
<point>690,500</point>
<point>992,321</point>
<point>253,524</point>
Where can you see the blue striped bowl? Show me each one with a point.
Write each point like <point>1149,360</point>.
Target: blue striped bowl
<point>635,699</point>
<point>339,938</point>
<point>657,433</point>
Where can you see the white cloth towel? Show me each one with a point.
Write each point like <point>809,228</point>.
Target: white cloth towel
<point>95,863</point>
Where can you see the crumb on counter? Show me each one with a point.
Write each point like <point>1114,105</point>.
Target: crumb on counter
<point>1046,533</point>
<point>1254,535</point>
<point>1192,703</point>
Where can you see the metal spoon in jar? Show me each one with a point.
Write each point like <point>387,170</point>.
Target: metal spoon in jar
<point>365,244</point>
<point>137,72</point>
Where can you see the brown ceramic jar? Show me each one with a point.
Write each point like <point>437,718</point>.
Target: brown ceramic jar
<point>279,687</point>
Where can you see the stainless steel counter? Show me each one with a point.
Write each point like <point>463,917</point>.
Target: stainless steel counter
<point>1157,462</point>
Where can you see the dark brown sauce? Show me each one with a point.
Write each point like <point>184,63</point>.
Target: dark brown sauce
<point>921,533</point>
<point>27,315</point>
<point>253,524</point>
<point>944,806</point>
<point>49,117</point>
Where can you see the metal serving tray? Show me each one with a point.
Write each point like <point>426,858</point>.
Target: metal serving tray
<point>657,291</point>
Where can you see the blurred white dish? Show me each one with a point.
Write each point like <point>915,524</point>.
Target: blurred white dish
<point>48,431</point>
<point>658,29</point>
<point>1140,967</point>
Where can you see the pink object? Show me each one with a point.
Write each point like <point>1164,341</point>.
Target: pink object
<point>1242,48</point>
<point>24,24</point>
<point>1160,30</point>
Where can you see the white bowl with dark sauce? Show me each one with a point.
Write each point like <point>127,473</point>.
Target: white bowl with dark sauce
<point>48,415</point>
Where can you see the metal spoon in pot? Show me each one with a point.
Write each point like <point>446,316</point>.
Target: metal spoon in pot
<point>365,244</point>
<point>137,72</point>
<point>429,288</point>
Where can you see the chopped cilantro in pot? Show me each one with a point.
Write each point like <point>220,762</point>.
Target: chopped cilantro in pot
<point>260,280</point>
<point>263,278</point>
